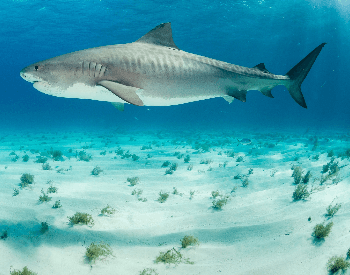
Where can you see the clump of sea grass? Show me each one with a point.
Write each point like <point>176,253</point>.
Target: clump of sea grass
<point>331,210</point>
<point>44,197</point>
<point>189,241</point>
<point>220,202</point>
<point>108,210</point>
<point>97,251</point>
<point>46,166</point>
<point>245,182</point>
<point>81,218</point>
<point>52,189</point>
<point>172,256</point>
<point>56,155</point>
<point>337,263</point>
<point>171,169</point>
<point>25,271</point>
<point>57,204</point>
<point>25,158</point>
<point>297,174</point>
<point>26,179</point>
<point>44,227</point>
<point>83,156</point>
<point>300,192</point>
<point>4,235</point>
<point>163,197</point>
<point>15,192</point>
<point>321,231</point>
<point>96,171</point>
<point>148,271</point>
<point>133,181</point>
<point>307,177</point>
<point>166,164</point>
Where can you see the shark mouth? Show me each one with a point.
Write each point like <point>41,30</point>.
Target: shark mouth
<point>30,78</point>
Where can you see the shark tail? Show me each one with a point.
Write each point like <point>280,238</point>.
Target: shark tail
<point>298,73</point>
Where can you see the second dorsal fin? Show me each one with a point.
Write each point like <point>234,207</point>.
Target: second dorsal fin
<point>261,67</point>
<point>160,35</point>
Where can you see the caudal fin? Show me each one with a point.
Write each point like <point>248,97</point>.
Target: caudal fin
<point>298,73</point>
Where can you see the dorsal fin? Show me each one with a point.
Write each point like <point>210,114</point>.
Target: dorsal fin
<point>261,67</point>
<point>160,35</point>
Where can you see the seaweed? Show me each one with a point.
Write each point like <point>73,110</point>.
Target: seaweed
<point>166,164</point>
<point>25,158</point>
<point>46,166</point>
<point>133,181</point>
<point>107,211</point>
<point>171,169</point>
<point>44,197</point>
<point>220,202</point>
<point>57,204</point>
<point>300,192</point>
<point>337,263</point>
<point>189,240</point>
<point>331,210</point>
<point>96,171</point>
<point>25,271</point>
<point>81,218</point>
<point>97,251</point>
<point>82,156</point>
<point>297,174</point>
<point>44,227</point>
<point>148,271</point>
<point>321,231</point>
<point>135,157</point>
<point>52,189</point>
<point>15,192</point>
<point>172,256</point>
<point>26,179</point>
<point>162,197</point>
<point>187,159</point>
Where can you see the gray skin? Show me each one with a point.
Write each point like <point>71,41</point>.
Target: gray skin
<point>152,71</point>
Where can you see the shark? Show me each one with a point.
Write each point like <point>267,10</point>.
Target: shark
<point>153,71</point>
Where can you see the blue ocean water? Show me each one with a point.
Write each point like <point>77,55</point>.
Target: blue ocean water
<point>262,229</point>
<point>278,33</point>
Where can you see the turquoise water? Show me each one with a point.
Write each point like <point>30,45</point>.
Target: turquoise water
<point>261,229</point>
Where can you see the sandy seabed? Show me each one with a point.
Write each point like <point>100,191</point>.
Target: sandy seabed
<point>260,229</point>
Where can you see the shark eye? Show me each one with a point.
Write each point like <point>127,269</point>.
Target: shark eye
<point>36,68</point>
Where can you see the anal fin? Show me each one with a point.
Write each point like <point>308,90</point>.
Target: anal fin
<point>267,92</point>
<point>238,94</point>
<point>127,93</point>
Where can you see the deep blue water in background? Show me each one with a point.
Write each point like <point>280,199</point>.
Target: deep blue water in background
<point>278,33</point>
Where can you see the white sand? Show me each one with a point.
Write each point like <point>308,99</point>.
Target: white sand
<point>259,231</point>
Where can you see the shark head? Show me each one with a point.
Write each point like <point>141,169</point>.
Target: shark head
<point>51,76</point>
<point>68,76</point>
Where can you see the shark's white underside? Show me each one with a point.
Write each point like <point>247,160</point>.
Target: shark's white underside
<point>100,93</point>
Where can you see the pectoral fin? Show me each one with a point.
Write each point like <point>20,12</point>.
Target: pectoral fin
<point>126,93</point>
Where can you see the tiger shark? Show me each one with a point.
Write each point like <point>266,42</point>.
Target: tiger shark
<point>153,71</point>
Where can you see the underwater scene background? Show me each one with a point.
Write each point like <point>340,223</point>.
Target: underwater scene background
<point>260,187</point>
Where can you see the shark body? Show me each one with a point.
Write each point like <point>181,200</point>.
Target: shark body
<point>153,71</point>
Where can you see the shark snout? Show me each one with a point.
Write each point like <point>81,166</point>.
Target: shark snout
<point>28,76</point>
